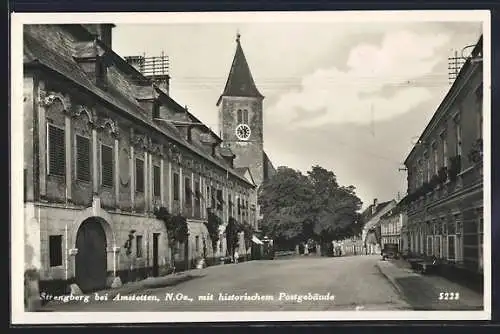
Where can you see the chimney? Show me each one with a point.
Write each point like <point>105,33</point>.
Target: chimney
<point>374,207</point>
<point>154,68</point>
<point>103,31</point>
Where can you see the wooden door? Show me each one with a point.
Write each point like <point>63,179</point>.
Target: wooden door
<point>91,259</point>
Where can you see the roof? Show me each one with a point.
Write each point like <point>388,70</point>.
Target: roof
<point>374,219</point>
<point>240,81</point>
<point>444,103</point>
<point>368,211</point>
<point>36,53</point>
<point>269,169</point>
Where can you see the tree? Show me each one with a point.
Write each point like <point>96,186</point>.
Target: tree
<point>232,231</point>
<point>285,202</point>
<point>313,206</point>
<point>177,230</point>
<point>213,223</point>
<point>334,208</point>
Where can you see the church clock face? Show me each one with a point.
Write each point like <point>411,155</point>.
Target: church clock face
<point>243,132</point>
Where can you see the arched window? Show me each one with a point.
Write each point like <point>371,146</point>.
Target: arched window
<point>240,116</point>
<point>245,116</point>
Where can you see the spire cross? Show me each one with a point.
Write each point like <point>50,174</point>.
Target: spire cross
<point>238,35</point>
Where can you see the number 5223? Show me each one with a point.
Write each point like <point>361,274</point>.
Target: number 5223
<point>449,296</point>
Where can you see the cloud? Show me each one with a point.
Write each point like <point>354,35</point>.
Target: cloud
<point>379,83</point>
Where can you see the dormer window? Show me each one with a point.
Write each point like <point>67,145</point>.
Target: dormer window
<point>101,72</point>
<point>156,109</point>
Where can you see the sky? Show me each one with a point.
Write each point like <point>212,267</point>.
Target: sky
<point>352,97</point>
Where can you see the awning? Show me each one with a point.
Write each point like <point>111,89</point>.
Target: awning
<point>256,240</point>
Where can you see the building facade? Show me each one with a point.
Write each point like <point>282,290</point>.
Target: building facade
<point>391,225</point>
<point>445,176</point>
<point>102,153</point>
<point>371,217</point>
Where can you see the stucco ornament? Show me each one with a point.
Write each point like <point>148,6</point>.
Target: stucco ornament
<point>47,99</point>
<point>140,141</point>
<point>80,110</point>
<point>108,123</point>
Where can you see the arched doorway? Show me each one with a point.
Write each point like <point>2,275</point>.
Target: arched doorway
<point>91,259</point>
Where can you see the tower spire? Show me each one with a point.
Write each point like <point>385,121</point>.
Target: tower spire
<point>240,81</point>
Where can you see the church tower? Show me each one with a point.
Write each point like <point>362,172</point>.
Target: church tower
<point>241,118</point>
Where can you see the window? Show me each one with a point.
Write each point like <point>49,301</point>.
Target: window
<point>239,207</point>
<point>245,116</point>
<point>138,246</point>
<point>55,250</point>
<point>239,116</point>
<point>435,160</point>
<point>428,162</point>
<point>106,165</point>
<point>428,250</point>
<point>176,187</point>
<point>82,158</point>
<point>451,247</point>
<point>187,190</point>
<point>458,139</point>
<point>437,246</point>
<point>212,196</point>
<point>197,193</point>
<point>56,151</point>
<point>156,181</point>
<point>197,243</point>
<point>445,152</point>
<point>139,175</point>
<point>208,195</point>
<point>219,199</point>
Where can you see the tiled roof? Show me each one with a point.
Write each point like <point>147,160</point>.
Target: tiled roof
<point>240,81</point>
<point>35,52</point>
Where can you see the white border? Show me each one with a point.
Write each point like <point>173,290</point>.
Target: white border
<point>17,235</point>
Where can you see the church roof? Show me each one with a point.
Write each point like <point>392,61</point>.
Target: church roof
<point>240,81</point>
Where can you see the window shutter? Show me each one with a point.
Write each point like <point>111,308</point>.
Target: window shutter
<point>176,186</point>
<point>156,180</point>
<point>107,165</point>
<point>187,190</point>
<point>139,175</point>
<point>57,155</point>
<point>55,250</point>
<point>82,158</point>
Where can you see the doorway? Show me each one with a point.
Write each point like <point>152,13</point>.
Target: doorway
<point>155,254</point>
<point>91,259</point>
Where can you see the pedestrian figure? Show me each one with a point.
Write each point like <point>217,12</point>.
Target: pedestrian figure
<point>236,257</point>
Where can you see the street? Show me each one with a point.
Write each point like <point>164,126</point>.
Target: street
<point>353,283</point>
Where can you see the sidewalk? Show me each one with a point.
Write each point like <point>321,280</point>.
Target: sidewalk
<point>129,288</point>
<point>428,292</point>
